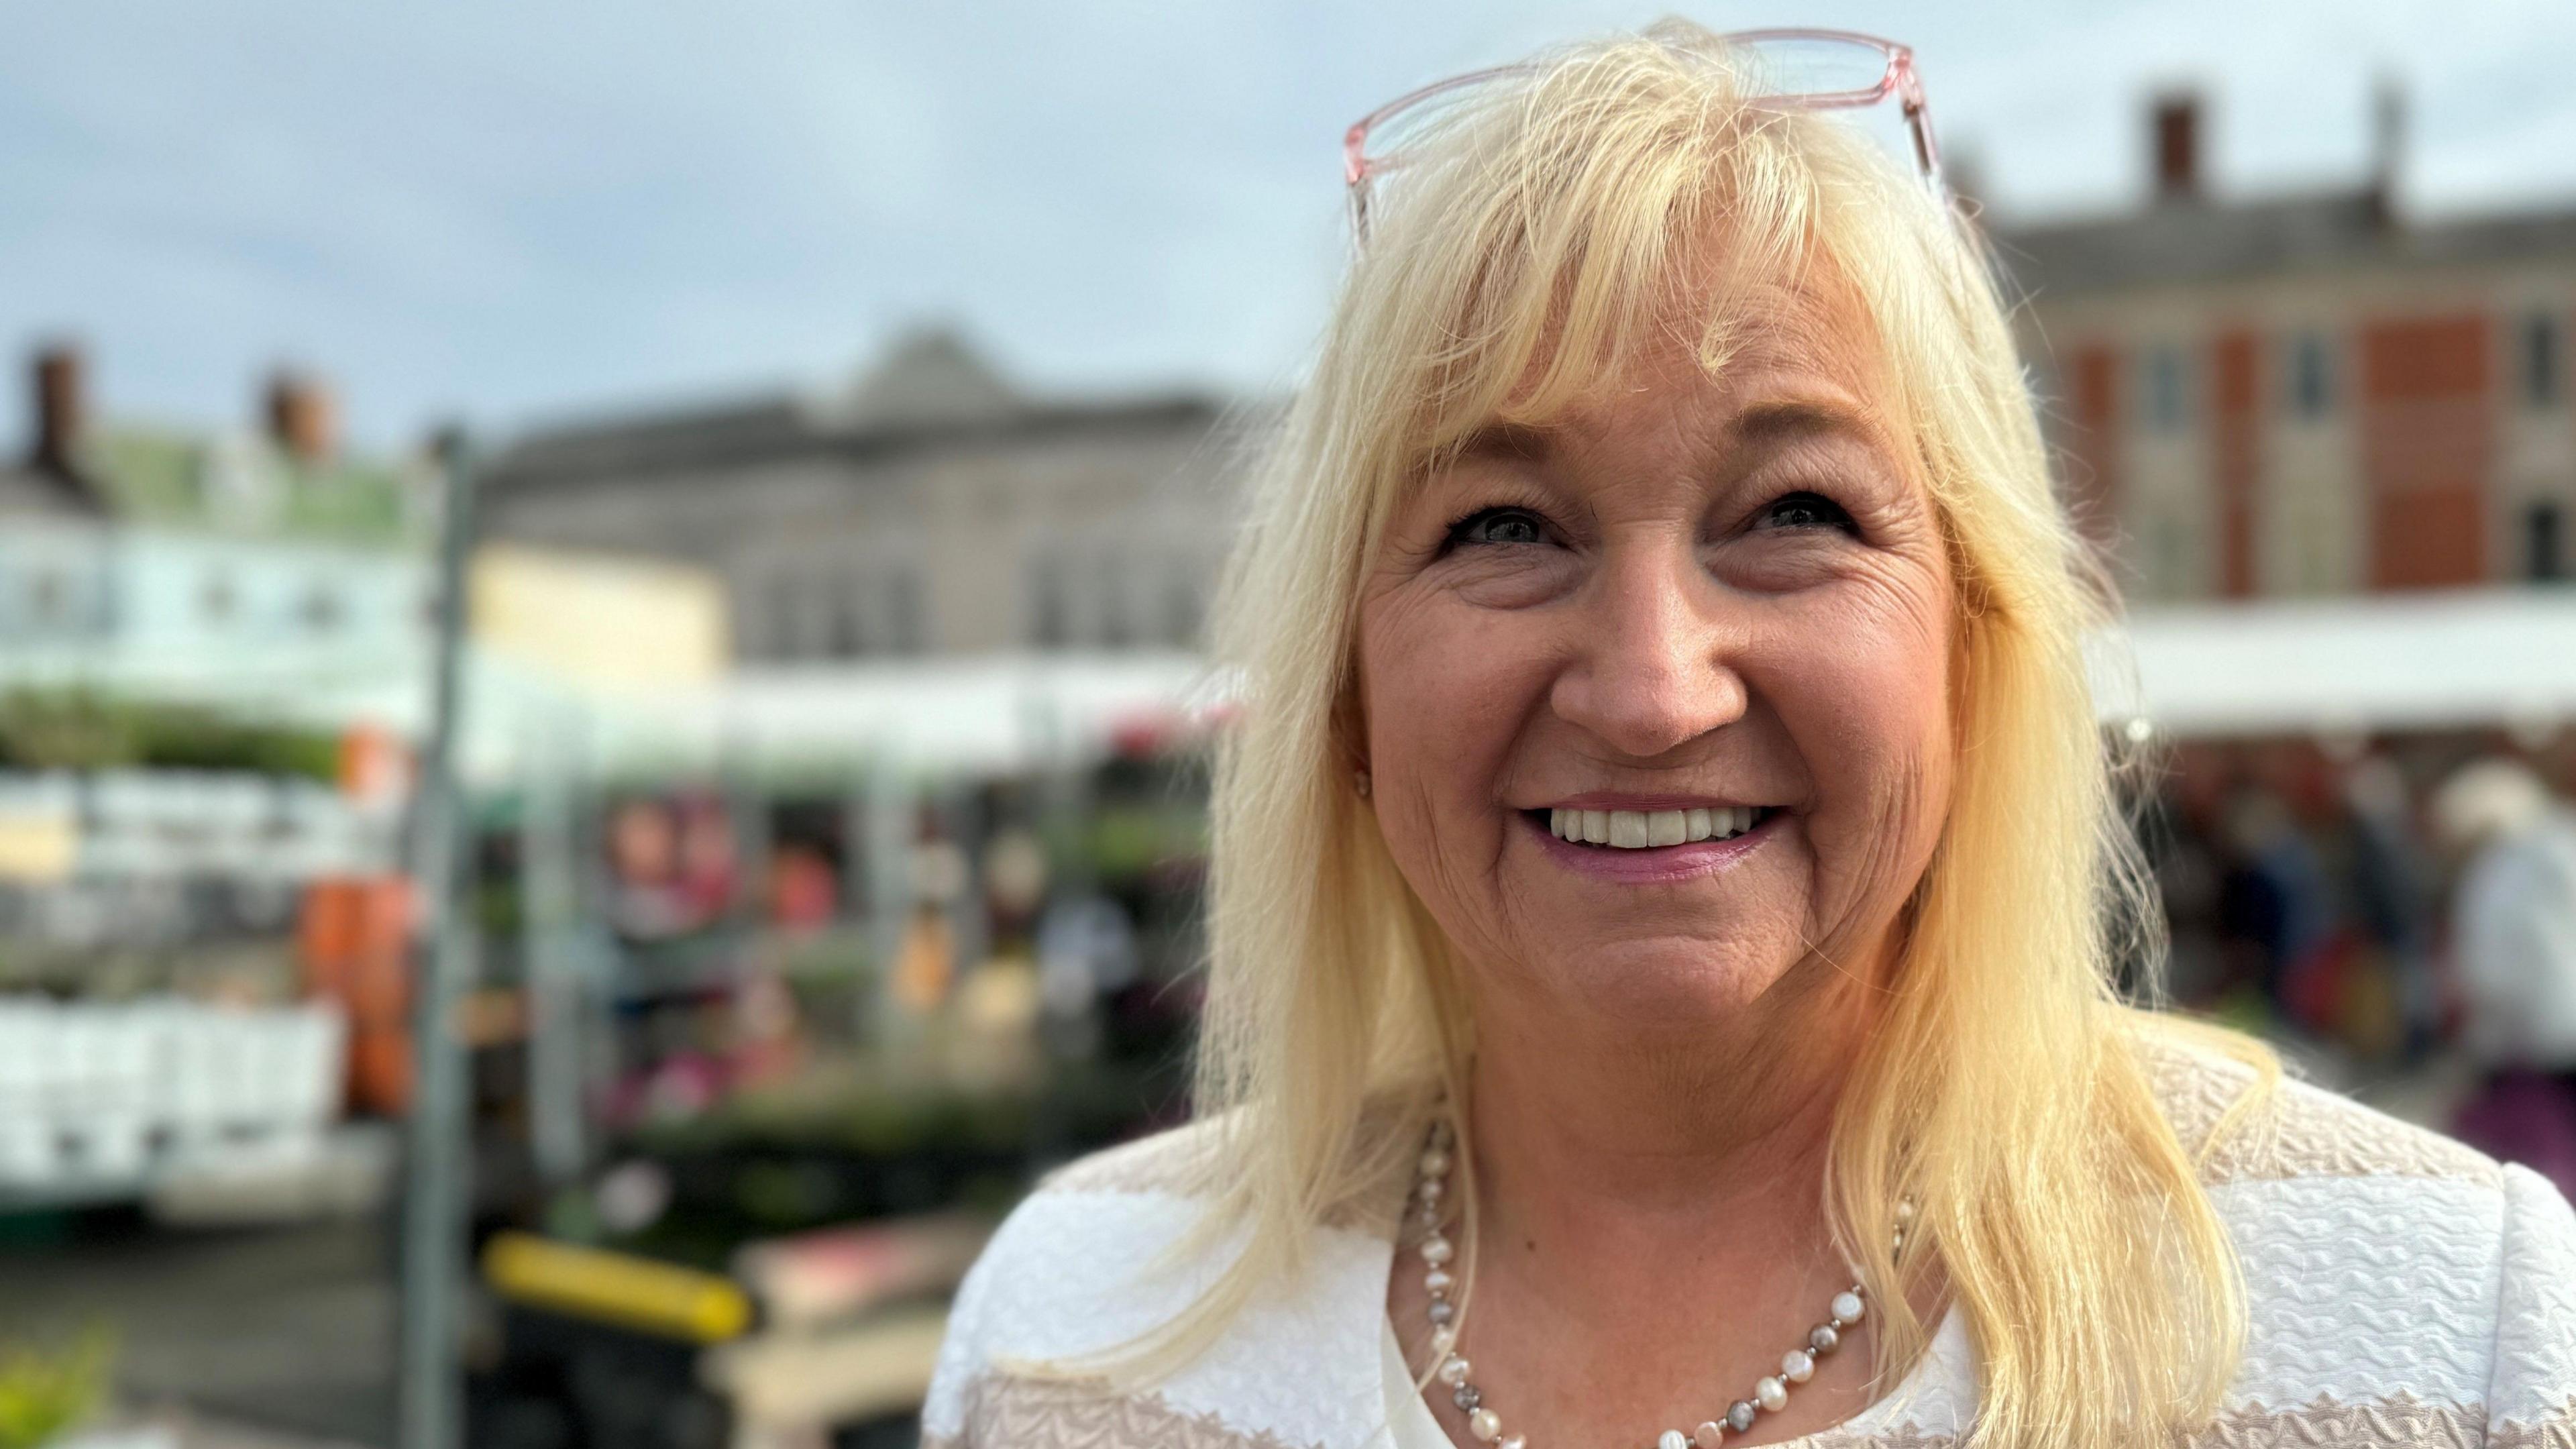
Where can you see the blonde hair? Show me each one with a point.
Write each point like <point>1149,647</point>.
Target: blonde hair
<point>1538,239</point>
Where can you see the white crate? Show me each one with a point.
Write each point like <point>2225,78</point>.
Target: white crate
<point>29,1155</point>
<point>98,1100</point>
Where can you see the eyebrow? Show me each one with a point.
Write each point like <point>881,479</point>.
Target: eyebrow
<point>1770,422</point>
<point>1519,441</point>
<point>1787,420</point>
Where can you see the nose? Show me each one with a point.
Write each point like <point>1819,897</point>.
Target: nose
<point>1651,668</point>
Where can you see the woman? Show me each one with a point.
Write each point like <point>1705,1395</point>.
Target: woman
<point>1665,880</point>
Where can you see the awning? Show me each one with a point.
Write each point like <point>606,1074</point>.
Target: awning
<point>2491,658</point>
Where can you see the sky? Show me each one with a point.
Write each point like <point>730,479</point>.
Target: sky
<point>513,212</point>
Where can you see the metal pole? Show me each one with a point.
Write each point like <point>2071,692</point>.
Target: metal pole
<point>746,803</point>
<point>430,1384</point>
<point>550,927</point>
<point>888,806</point>
<point>962,822</point>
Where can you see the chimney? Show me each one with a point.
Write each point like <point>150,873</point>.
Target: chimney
<point>2387,146</point>
<point>300,417</point>
<point>61,410</point>
<point>2177,141</point>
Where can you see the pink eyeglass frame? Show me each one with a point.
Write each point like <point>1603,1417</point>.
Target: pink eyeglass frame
<point>1899,79</point>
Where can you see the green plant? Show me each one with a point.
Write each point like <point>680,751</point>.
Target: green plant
<point>44,1391</point>
<point>76,728</point>
<point>66,729</point>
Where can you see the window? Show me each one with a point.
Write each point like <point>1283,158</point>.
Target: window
<point>2311,383</point>
<point>783,614</point>
<point>1115,629</point>
<point>1181,608</point>
<point>2168,407</point>
<point>2542,384</point>
<point>2544,538</point>
<point>322,608</point>
<point>849,625</point>
<point>49,597</point>
<point>903,613</point>
<point>1049,628</point>
<point>2173,575</point>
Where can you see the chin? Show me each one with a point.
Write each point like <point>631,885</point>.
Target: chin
<point>1673,985</point>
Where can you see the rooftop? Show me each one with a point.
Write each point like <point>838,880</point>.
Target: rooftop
<point>2198,239</point>
<point>931,390</point>
<point>26,489</point>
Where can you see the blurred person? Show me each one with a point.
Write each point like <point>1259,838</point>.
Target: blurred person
<point>2272,907</point>
<point>2179,830</point>
<point>804,889</point>
<point>1661,883</point>
<point>2513,949</point>
<point>1086,949</point>
<point>643,847</point>
<point>2390,876</point>
<point>708,862</point>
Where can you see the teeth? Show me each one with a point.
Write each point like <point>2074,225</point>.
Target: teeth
<point>1646,829</point>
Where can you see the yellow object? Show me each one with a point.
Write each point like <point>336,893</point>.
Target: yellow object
<point>636,1292</point>
<point>1000,997</point>
<point>598,619</point>
<point>38,849</point>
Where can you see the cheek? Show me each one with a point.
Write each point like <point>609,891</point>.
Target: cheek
<point>1863,685</point>
<point>1446,688</point>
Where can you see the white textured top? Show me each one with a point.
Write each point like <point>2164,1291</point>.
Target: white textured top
<point>1409,1424</point>
<point>2404,1290</point>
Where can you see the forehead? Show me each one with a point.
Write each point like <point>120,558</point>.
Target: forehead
<point>1758,355</point>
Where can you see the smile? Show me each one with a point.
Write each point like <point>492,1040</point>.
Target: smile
<point>1652,829</point>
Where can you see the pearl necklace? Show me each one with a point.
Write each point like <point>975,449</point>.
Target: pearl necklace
<point>1770,1394</point>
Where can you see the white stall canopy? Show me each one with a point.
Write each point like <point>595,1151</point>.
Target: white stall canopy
<point>2493,658</point>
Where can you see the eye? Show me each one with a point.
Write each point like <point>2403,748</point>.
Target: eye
<point>1499,525</point>
<point>1803,510</point>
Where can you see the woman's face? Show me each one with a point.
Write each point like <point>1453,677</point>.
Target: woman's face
<point>1702,602</point>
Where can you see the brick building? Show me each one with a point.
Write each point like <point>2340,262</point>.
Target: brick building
<point>2309,394</point>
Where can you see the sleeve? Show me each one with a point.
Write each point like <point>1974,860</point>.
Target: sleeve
<point>2531,1392</point>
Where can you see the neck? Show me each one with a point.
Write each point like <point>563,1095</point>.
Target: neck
<point>1598,1145</point>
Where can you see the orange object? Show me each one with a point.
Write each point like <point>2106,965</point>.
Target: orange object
<point>375,765</point>
<point>354,938</point>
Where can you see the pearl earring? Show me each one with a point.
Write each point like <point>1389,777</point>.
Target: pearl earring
<point>1360,782</point>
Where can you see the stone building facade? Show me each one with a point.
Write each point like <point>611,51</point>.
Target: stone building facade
<point>931,509</point>
<point>2308,394</point>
